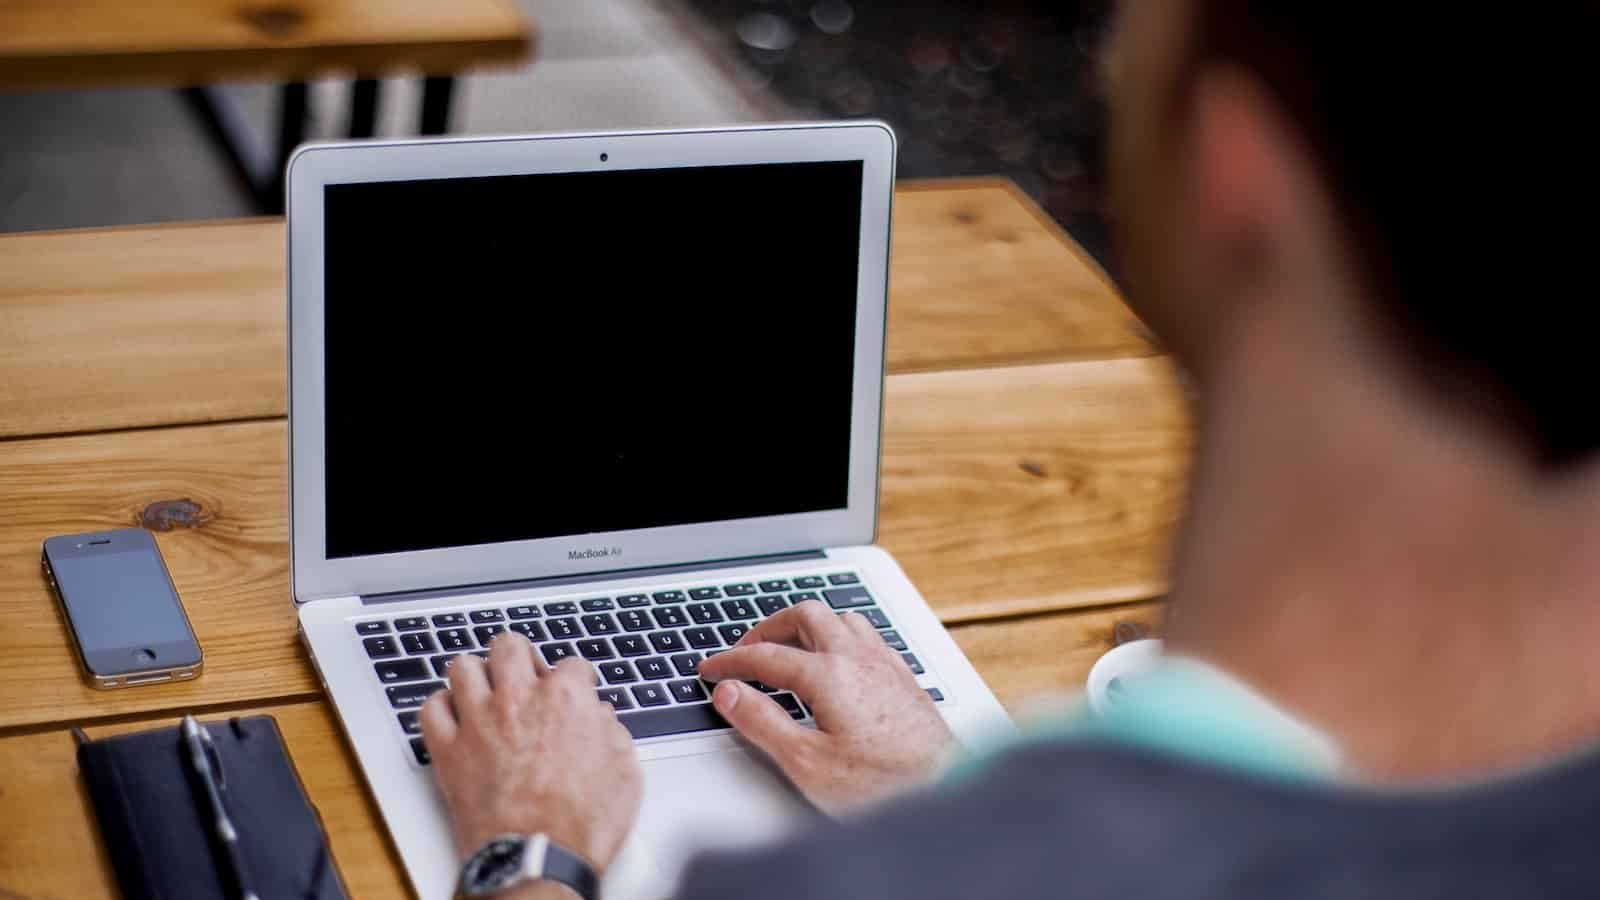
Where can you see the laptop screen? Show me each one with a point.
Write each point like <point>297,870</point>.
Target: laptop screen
<point>533,356</point>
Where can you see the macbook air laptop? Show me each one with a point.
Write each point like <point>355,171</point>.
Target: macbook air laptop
<point>617,393</point>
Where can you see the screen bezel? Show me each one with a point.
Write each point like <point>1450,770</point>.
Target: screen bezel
<point>314,575</point>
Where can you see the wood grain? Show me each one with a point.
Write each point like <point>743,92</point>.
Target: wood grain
<point>46,852</point>
<point>79,43</point>
<point>978,534</point>
<point>1034,487</point>
<point>129,327</point>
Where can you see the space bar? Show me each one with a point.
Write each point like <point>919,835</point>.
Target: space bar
<point>674,720</point>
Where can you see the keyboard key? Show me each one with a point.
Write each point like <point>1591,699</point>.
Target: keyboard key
<point>554,653</point>
<point>455,639</point>
<point>803,596</point>
<point>403,695</point>
<point>675,720</point>
<point>687,691</point>
<point>564,608</point>
<point>893,639</point>
<point>669,617</point>
<point>488,615</point>
<point>844,578</point>
<point>848,598</point>
<point>595,648</point>
<point>704,613</point>
<point>772,587</point>
<point>732,633</point>
<point>876,617</point>
<point>379,647</point>
<point>936,694</point>
<point>529,630</point>
<point>805,582</point>
<point>916,667</point>
<point>562,629</point>
<point>372,627</point>
<point>526,611</point>
<point>632,645</point>
<point>481,654</point>
<point>418,643</point>
<point>617,697</point>
<point>487,633</point>
<point>411,623</point>
<point>744,589</point>
<point>650,695</point>
<point>597,604</point>
<point>738,609</point>
<point>633,601</point>
<point>634,620</point>
<point>705,593</point>
<point>667,642</point>
<point>617,673</point>
<point>654,668</point>
<point>763,687</point>
<point>669,596</point>
<point>446,620</point>
<point>410,723</point>
<point>700,638</point>
<point>600,623</point>
<point>687,664</point>
<point>398,670</point>
<point>420,751</point>
<point>791,704</point>
<point>770,605</point>
<point>441,663</point>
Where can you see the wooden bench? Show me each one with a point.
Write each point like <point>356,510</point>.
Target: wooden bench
<point>1035,448</point>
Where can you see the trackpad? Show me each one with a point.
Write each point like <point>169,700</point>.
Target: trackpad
<point>709,801</point>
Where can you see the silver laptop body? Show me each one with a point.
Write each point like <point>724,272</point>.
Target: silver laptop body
<point>619,393</point>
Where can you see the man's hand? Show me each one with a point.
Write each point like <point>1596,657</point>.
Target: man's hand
<point>518,748</point>
<point>877,730</point>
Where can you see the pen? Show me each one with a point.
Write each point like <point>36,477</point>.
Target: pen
<point>201,752</point>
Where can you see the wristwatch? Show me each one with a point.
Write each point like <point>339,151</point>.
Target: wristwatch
<point>508,860</point>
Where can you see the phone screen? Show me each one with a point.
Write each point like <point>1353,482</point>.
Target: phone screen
<point>120,603</point>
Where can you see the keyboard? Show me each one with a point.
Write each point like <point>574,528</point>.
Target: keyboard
<point>647,647</point>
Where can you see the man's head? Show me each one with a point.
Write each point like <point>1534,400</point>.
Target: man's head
<point>1436,171</point>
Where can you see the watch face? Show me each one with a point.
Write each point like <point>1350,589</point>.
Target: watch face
<point>493,867</point>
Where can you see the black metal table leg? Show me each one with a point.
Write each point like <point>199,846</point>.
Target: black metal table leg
<point>293,108</point>
<point>258,167</point>
<point>436,91</point>
<point>364,108</point>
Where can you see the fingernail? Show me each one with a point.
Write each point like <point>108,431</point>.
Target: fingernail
<point>726,696</point>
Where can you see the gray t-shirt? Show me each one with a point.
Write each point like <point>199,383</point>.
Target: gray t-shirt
<point>1097,820</point>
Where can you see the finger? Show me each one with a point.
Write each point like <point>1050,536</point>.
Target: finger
<point>469,685</point>
<point>577,672</point>
<point>860,627</point>
<point>784,667</point>
<point>762,721</point>
<point>511,665</point>
<point>810,625</point>
<point>438,721</point>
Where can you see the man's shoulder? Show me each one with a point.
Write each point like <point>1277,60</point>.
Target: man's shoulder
<point>1092,820</point>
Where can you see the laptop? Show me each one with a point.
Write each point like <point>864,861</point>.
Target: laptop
<point>617,393</point>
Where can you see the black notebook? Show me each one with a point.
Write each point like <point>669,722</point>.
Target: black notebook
<point>160,844</point>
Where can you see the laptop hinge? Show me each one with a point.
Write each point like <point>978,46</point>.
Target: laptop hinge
<point>589,577</point>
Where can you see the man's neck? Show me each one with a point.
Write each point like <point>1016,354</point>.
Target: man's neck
<point>1395,576</point>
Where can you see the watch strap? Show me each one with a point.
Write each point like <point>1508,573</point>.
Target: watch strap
<point>568,868</point>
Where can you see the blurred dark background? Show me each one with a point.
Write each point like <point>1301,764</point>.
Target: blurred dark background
<point>972,88</point>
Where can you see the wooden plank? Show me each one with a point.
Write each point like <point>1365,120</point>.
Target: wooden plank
<point>82,43</point>
<point>46,852</point>
<point>130,327</point>
<point>977,533</point>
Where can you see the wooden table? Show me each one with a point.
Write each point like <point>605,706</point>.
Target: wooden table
<point>1034,455</point>
<point>49,44</point>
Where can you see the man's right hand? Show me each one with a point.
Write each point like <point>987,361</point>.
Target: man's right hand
<point>877,730</point>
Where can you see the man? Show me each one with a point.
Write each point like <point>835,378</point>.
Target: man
<point>1346,227</point>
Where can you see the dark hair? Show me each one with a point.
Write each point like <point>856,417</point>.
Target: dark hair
<point>1459,142</point>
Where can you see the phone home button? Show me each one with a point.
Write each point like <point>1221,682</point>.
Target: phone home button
<point>145,656</point>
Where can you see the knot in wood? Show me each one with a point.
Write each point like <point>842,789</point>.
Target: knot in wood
<point>165,515</point>
<point>273,21</point>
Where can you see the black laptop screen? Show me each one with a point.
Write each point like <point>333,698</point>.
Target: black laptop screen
<point>532,356</point>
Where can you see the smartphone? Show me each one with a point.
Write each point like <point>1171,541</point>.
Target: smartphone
<point>126,620</point>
